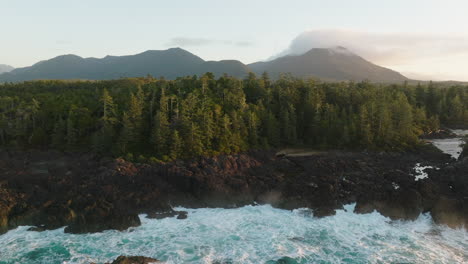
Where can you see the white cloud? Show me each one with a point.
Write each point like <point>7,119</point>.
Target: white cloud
<point>436,56</point>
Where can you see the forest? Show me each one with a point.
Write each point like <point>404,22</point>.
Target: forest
<point>152,120</point>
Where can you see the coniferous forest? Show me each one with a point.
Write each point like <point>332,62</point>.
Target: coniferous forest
<point>148,119</point>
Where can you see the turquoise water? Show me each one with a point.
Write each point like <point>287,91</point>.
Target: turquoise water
<point>251,234</point>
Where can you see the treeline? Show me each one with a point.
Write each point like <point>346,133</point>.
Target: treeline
<point>163,120</point>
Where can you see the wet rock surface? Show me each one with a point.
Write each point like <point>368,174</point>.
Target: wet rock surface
<point>87,193</point>
<point>134,260</point>
<point>464,153</point>
<point>440,134</point>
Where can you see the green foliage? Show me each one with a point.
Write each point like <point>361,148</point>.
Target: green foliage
<point>165,120</point>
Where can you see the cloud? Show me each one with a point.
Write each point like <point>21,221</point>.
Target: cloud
<point>416,53</point>
<point>182,41</point>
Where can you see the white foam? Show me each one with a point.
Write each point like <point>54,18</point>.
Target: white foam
<point>251,234</point>
<point>420,172</point>
<point>452,146</point>
<point>460,132</point>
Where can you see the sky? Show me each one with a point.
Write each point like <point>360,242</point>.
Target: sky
<point>422,39</point>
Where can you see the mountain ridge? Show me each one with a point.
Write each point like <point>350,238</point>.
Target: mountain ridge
<point>5,68</point>
<point>333,64</point>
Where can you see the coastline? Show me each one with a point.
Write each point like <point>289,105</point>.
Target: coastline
<point>91,194</point>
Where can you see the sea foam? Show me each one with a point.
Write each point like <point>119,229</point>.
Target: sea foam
<point>251,234</point>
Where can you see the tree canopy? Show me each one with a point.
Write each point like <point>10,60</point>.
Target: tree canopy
<point>192,116</point>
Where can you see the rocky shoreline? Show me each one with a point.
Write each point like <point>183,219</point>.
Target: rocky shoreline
<point>440,134</point>
<point>134,260</point>
<point>87,193</point>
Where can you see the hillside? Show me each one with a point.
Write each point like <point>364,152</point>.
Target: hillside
<point>171,63</point>
<point>335,64</point>
<point>5,68</point>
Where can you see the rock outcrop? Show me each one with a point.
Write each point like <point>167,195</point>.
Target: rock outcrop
<point>88,193</point>
<point>134,260</point>
<point>451,203</point>
<point>439,134</point>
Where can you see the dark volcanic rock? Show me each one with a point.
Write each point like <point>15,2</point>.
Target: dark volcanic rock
<point>182,215</point>
<point>134,260</point>
<point>400,204</point>
<point>450,212</point>
<point>450,205</point>
<point>464,153</point>
<point>439,134</point>
<point>161,215</point>
<point>87,193</point>
<point>102,216</point>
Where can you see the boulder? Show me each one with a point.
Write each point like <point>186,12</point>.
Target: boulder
<point>102,216</point>
<point>134,260</point>
<point>403,204</point>
<point>450,212</point>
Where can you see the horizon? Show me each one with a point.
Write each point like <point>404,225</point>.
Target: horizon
<point>378,32</point>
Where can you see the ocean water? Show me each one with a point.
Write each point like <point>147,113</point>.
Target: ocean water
<point>251,234</point>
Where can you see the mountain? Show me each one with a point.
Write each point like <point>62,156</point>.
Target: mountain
<point>171,63</point>
<point>333,64</point>
<point>5,68</point>
<point>218,68</point>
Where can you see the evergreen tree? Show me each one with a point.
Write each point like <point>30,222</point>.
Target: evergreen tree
<point>59,139</point>
<point>403,118</point>
<point>253,126</point>
<point>193,116</point>
<point>193,139</point>
<point>103,139</point>
<point>160,134</point>
<point>365,127</point>
<point>72,136</point>
<point>271,130</point>
<point>126,134</point>
<point>176,146</point>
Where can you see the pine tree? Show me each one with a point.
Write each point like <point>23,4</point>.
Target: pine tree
<point>456,110</point>
<point>226,141</point>
<point>365,127</point>
<point>160,134</point>
<point>271,130</point>
<point>175,149</point>
<point>234,132</point>
<point>193,140</point>
<point>108,107</point>
<point>403,118</point>
<point>3,129</point>
<point>288,123</point>
<point>103,139</point>
<point>133,122</point>
<point>72,136</point>
<point>253,126</point>
<point>208,124</point>
<point>432,104</point>
<point>59,134</point>
<point>126,134</point>
<point>384,133</point>
<point>420,95</point>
